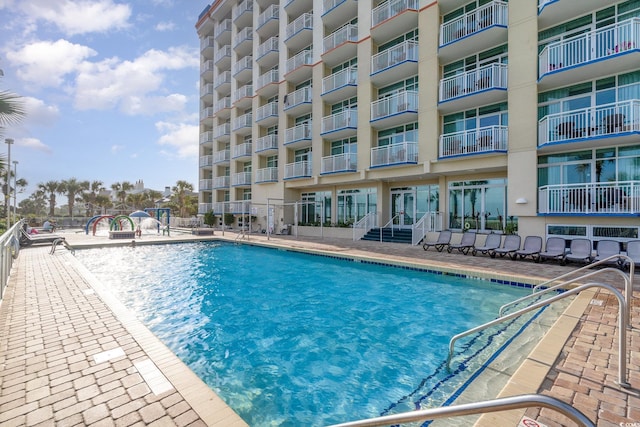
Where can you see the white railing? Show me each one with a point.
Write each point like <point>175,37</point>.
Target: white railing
<point>301,58</point>
<point>221,182</point>
<point>205,184</point>
<point>220,207</point>
<point>223,52</point>
<point>348,33</point>
<point>223,78</point>
<point>207,42</point>
<point>206,113</point>
<point>241,178</point>
<point>223,103</point>
<point>267,142</point>
<point>221,156</point>
<point>344,77</point>
<point>267,110</point>
<point>206,137</point>
<point>362,226</point>
<point>243,35</point>
<point>223,129</point>
<point>245,6</point>
<point>341,120</point>
<point>245,63</point>
<point>206,90</point>
<point>300,96</point>
<point>492,76</point>
<point>587,47</point>
<point>490,138</point>
<point>608,119</point>
<point>619,197</point>
<point>327,5</point>
<point>242,121</point>
<point>245,91</point>
<point>494,13</point>
<point>430,221</point>
<point>398,103</point>
<point>271,45</point>
<point>223,26</point>
<point>543,3</point>
<point>406,51</point>
<point>391,8</point>
<point>271,12</point>
<point>297,133</point>
<point>204,208</point>
<point>242,207</point>
<point>207,67</point>
<point>242,150</point>
<point>297,170</point>
<point>206,160</point>
<point>267,174</point>
<point>392,154</point>
<point>345,162</point>
<point>269,77</point>
<point>302,22</point>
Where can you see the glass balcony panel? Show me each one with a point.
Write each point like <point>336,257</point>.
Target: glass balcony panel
<point>394,154</point>
<point>598,198</point>
<point>474,141</point>
<point>390,9</point>
<point>345,162</point>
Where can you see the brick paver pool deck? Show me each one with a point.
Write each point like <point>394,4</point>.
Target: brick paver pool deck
<point>72,355</point>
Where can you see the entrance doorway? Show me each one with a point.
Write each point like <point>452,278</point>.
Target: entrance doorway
<point>403,207</point>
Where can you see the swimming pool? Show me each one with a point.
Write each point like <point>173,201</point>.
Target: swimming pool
<point>294,339</point>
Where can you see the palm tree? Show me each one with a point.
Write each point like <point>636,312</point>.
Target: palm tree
<point>89,197</point>
<point>72,188</point>
<point>51,188</point>
<point>11,109</point>
<point>121,189</point>
<point>137,200</point>
<point>181,197</point>
<point>103,202</point>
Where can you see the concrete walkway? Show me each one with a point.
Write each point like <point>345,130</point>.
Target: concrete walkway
<point>70,354</point>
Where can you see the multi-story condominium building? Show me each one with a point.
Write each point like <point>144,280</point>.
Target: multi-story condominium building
<point>487,115</point>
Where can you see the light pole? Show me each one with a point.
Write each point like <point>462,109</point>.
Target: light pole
<point>15,188</point>
<point>9,142</point>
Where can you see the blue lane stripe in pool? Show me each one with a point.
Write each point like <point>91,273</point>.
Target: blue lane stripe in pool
<point>291,338</point>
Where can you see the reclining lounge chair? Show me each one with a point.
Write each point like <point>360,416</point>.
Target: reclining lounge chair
<point>443,240</point>
<point>531,248</point>
<point>633,252</point>
<point>606,249</point>
<point>466,243</point>
<point>510,245</point>
<point>554,249</point>
<point>579,251</point>
<point>492,242</point>
<point>27,239</point>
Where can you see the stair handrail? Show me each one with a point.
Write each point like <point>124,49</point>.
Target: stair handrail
<point>415,237</point>
<point>622,322</point>
<point>482,407</point>
<point>388,223</point>
<point>363,225</point>
<point>628,282</point>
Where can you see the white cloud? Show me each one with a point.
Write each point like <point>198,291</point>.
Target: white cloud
<point>181,136</point>
<point>165,26</point>
<point>38,113</point>
<point>35,144</point>
<point>115,149</point>
<point>46,63</point>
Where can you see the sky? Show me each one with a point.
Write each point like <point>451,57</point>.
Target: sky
<point>110,89</point>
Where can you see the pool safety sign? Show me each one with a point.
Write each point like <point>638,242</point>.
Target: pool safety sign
<point>528,422</point>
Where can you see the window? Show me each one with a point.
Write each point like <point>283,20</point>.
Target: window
<point>408,132</point>
<point>353,205</point>
<point>344,146</point>
<point>491,115</point>
<point>480,205</point>
<point>316,208</point>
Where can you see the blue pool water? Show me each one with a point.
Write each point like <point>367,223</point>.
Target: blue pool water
<point>291,339</point>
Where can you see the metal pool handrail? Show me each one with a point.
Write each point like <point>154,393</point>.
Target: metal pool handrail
<point>487,406</point>
<point>622,322</point>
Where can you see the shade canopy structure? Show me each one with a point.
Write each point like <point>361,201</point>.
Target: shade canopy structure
<point>139,214</point>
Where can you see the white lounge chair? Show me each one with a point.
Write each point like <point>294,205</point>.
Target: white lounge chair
<point>443,240</point>
<point>466,243</point>
<point>633,252</point>
<point>579,251</point>
<point>554,249</point>
<point>510,245</point>
<point>606,249</point>
<point>531,248</point>
<point>492,242</point>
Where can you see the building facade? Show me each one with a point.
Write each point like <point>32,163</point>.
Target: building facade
<point>493,116</point>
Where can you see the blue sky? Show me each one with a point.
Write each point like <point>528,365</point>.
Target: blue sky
<point>110,88</point>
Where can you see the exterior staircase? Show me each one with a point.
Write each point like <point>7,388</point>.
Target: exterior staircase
<point>400,235</point>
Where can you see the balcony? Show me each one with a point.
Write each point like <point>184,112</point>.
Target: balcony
<point>398,154</point>
<point>340,125</point>
<point>242,150</point>
<point>340,85</point>
<point>341,45</point>
<point>619,123</point>
<point>298,136</point>
<point>297,7</point>
<point>268,53</point>
<point>334,12</point>
<point>219,208</point>
<point>491,139</point>
<point>298,67</point>
<point>299,32</point>
<point>618,198</point>
<point>222,32</point>
<point>268,83</point>
<point>206,161</point>
<point>474,31</point>
<point>267,144</point>
<point>552,12</point>
<point>222,157</point>
<point>206,114</point>
<point>206,137</point>
<point>244,41</point>
<point>204,208</point>
<point>222,108</point>
<point>394,63</point>
<point>205,184</point>
<point>243,207</point>
<point>267,175</point>
<point>267,115</point>
<point>220,182</point>
<point>485,85</point>
<point>605,51</point>
<point>222,132</point>
<point>268,21</point>
<point>339,163</point>
<point>222,84</point>
<point>393,18</point>
<point>242,124</point>
<point>241,179</point>
<point>297,170</point>
<point>242,14</point>
<point>394,110</point>
<point>206,90</point>
<point>206,71</point>
<point>222,58</point>
<point>242,96</point>
<point>243,69</point>
<point>207,46</point>
<point>298,102</point>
